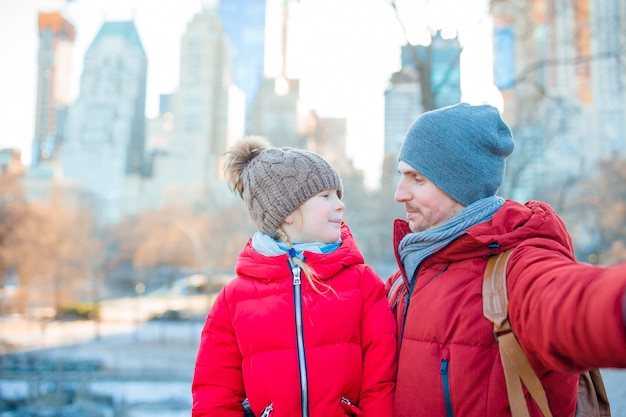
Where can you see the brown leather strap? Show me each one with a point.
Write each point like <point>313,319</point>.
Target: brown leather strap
<point>495,299</point>
<point>592,397</point>
<point>514,362</point>
<point>511,352</point>
<point>517,401</point>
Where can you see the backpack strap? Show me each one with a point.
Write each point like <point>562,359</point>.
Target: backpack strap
<point>516,367</point>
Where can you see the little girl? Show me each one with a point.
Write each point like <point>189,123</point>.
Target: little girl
<point>304,329</point>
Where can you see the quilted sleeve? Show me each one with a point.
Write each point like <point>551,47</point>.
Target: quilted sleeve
<point>217,387</point>
<point>378,342</point>
<point>567,314</point>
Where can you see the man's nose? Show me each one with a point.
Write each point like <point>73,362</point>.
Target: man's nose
<point>400,195</point>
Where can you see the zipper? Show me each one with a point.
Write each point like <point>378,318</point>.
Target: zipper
<point>407,301</point>
<point>268,410</point>
<point>297,300</point>
<point>445,382</point>
<point>346,401</point>
<point>407,297</point>
<point>349,406</point>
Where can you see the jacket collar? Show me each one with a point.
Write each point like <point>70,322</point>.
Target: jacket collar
<point>269,268</point>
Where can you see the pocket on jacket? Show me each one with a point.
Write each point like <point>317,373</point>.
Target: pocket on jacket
<point>350,407</point>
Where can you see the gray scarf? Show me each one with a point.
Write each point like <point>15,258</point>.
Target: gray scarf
<point>415,247</point>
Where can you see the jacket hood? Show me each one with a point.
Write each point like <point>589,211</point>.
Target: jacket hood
<point>534,222</point>
<point>252,264</point>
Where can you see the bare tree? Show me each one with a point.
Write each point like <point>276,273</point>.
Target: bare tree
<point>205,238</point>
<point>13,211</point>
<point>49,249</point>
<point>550,45</point>
<point>597,211</point>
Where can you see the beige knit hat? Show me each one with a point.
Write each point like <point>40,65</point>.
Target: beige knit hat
<point>274,182</point>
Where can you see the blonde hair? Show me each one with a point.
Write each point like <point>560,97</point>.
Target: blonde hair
<point>311,275</point>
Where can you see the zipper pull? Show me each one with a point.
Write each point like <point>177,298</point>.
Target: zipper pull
<point>346,401</point>
<point>444,367</point>
<point>295,271</point>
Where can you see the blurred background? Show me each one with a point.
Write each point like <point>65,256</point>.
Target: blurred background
<point>116,227</point>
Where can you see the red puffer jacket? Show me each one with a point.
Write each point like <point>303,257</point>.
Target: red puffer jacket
<point>567,316</point>
<point>249,348</point>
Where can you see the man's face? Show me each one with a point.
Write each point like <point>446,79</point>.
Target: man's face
<point>425,204</point>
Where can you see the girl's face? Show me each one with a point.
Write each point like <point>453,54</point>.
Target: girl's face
<point>317,220</point>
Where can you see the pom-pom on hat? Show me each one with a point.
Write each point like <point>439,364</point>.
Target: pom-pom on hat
<point>460,148</point>
<point>274,182</point>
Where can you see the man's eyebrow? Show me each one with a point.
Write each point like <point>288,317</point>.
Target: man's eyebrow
<point>408,171</point>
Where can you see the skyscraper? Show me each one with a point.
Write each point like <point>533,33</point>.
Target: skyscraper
<point>402,105</point>
<point>403,98</point>
<point>106,124</point>
<point>56,39</point>
<point>563,88</point>
<point>195,129</point>
<point>277,116</point>
<point>200,104</point>
<point>608,76</point>
<point>244,23</point>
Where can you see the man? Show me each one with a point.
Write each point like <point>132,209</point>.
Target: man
<point>568,316</point>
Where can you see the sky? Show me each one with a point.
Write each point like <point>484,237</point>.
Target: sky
<point>343,52</point>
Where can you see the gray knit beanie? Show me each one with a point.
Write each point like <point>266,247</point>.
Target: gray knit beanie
<point>274,182</point>
<point>461,149</point>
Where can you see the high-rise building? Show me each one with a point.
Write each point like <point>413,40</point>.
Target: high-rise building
<point>443,58</point>
<point>329,139</point>
<point>607,19</point>
<point>244,23</point>
<point>521,38</point>
<point>554,63</point>
<point>277,115</point>
<point>106,124</point>
<point>194,131</point>
<point>200,104</point>
<point>402,105</point>
<point>56,39</point>
<point>403,98</point>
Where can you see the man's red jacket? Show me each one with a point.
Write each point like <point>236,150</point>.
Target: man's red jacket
<point>566,315</point>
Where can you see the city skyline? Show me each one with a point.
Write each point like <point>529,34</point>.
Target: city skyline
<point>343,69</point>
